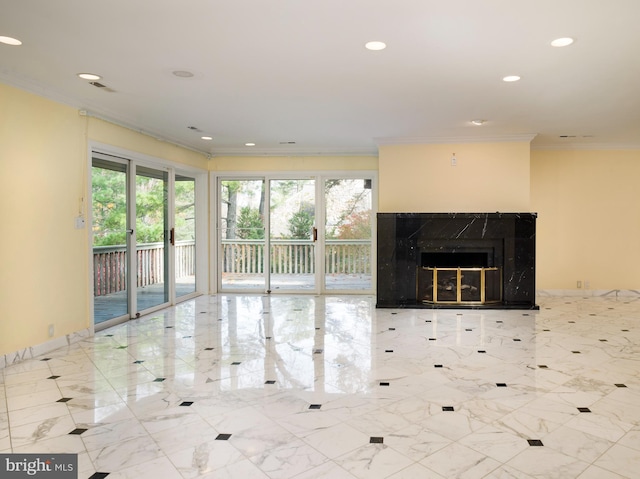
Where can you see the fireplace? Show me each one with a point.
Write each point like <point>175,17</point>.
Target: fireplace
<point>468,260</point>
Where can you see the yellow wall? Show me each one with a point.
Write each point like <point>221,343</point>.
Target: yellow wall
<point>588,218</point>
<point>44,270</point>
<point>488,177</point>
<point>296,163</point>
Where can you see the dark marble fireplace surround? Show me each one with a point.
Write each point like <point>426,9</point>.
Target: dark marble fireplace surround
<point>408,241</point>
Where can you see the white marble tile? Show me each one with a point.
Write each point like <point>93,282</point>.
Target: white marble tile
<point>287,460</point>
<point>327,470</point>
<point>543,462</point>
<point>595,472</point>
<point>325,441</point>
<point>416,471</point>
<point>620,460</point>
<point>122,455</point>
<point>33,433</point>
<point>468,464</point>
<point>495,443</point>
<point>275,434</point>
<point>373,461</point>
<point>160,467</point>
<point>208,457</point>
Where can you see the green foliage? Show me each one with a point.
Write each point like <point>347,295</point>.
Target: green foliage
<point>109,190</point>
<point>300,224</point>
<point>250,224</point>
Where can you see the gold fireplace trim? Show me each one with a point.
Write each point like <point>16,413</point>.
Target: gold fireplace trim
<point>461,287</point>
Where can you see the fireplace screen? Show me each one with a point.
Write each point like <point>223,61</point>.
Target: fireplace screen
<point>459,285</point>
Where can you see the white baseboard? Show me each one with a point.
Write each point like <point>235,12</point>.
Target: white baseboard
<point>16,357</point>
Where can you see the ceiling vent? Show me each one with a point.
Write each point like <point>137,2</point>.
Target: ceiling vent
<point>101,86</point>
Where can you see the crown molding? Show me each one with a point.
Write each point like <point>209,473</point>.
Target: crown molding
<point>294,151</point>
<point>586,146</point>
<point>422,140</point>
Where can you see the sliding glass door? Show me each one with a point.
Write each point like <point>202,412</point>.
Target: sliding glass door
<point>144,238</point>
<point>111,235</point>
<point>291,234</point>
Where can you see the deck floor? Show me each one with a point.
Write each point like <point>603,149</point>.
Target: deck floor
<point>115,305</point>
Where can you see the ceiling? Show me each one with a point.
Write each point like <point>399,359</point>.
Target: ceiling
<point>294,77</point>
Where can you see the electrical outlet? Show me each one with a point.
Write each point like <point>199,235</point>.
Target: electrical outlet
<point>51,330</point>
<point>586,284</point>
<point>579,284</point>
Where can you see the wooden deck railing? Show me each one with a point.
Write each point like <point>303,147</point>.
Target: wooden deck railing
<point>238,256</point>
<point>296,256</point>
<point>109,265</point>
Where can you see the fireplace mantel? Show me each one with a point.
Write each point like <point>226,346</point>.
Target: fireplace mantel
<point>506,240</point>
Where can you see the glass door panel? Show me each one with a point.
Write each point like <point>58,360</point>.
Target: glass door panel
<point>110,236</point>
<point>292,227</point>
<point>348,211</point>
<point>242,234</point>
<point>185,235</point>
<point>152,237</point>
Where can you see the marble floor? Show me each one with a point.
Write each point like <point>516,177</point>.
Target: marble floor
<point>252,386</point>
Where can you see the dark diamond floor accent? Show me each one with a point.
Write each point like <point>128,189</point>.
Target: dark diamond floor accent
<point>575,352</point>
<point>584,409</point>
<point>437,365</point>
<point>270,382</point>
<point>223,437</point>
<point>236,363</point>
<point>468,329</point>
<point>158,380</point>
<point>315,406</point>
<point>99,475</point>
<point>376,440</point>
<point>546,330</point>
<point>499,321</point>
<point>267,337</point>
<point>535,442</point>
<point>45,359</point>
<point>625,330</point>
<point>392,329</point>
<point>432,339</point>
<point>482,351</point>
<point>621,385</point>
<point>140,361</point>
<point>53,377</point>
<point>543,366</point>
<point>447,408</point>
<point>384,384</point>
<point>121,347</point>
<point>186,403</point>
<point>427,321</point>
<point>64,400</point>
<point>209,349</point>
<point>388,350</point>
<point>78,431</point>
<point>516,339</point>
<point>501,385</point>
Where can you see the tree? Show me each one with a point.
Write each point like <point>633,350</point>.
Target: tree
<point>250,225</point>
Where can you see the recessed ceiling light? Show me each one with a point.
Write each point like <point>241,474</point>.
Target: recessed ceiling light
<point>562,42</point>
<point>89,76</point>
<point>249,144</point>
<point>511,78</point>
<point>478,122</point>
<point>375,46</point>
<point>10,41</point>
<point>183,74</point>
<point>207,138</point>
